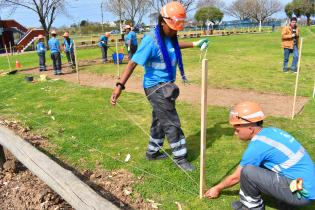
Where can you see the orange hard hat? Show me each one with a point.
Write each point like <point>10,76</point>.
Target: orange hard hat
<point>66,34</point>
<point>53,32</point>
<point>174,15</point>
<point>40,36</point>
<point>107,34</point>
<point>245,113</point>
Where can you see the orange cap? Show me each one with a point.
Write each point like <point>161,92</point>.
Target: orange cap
<point>245,113</point>
<point>107,34</point>
<point>174,15</point>
<point>66,34</point>
<point>40,36</point>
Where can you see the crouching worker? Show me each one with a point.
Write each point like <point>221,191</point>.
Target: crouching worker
<point>274,164</point>
<point>159,53</point>
<point>41,50</point>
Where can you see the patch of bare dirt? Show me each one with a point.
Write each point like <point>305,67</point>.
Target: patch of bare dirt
<point>272,104</point>
<point>20,189</point>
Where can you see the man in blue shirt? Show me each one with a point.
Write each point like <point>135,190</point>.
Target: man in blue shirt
<point>130,41</point>
<point>159,53</point>
<point>41,49</point>
<point>68,46</point>
<point>274,164</point>
<point>103,45</point>
<point>54,47</point>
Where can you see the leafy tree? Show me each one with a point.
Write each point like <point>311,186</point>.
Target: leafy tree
<point>46,10</point>
<point>212,14</point>
<point>301,7</point>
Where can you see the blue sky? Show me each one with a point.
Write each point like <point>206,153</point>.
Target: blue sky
<point>80,10</point>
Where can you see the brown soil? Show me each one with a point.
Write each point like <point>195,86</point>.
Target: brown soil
<point>20,189</point>
<point>272,104</point>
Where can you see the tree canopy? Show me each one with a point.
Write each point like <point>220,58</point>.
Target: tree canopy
<point>212,14</point>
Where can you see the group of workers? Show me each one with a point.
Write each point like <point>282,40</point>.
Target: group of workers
<point>55,52</point>
<point>274,163</point>
<point>130,40</point>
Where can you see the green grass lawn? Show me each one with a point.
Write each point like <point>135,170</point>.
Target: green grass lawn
<point>251,61</point>
<point>87,130</point>
<point>94,131</point>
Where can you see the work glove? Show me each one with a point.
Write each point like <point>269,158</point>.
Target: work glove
<point>202,44</point>
<point>128,48</point>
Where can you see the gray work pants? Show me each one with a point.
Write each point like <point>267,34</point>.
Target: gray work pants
<point>56,58</point>
<point>104,53</point>
<point>165,121</point>
<point>256,181</point>
<point>70,57</point>
<point>42,61</point>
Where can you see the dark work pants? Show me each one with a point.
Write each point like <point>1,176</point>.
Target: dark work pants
<point>165,121</point>
<point>56,58</point>
<point>42,61</point>
<point>256,181</point>
<point>70,57</point>
<point>104,53</point>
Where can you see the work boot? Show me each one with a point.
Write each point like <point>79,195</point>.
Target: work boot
<point>185,165</point>
<point>156,156</point>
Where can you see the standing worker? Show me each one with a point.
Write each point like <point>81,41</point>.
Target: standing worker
<point>41,50</point>
<point>103,45</point>
<point>290,44</point>
<point>130,41</point>
<point>68,46</point>
<point>274,164</point>
<point>54,47</point>
<point>159,53</point>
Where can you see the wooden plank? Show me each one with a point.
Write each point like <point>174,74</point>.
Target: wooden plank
<point>2,157</point>
<point>297,80</point>
<point>203,129</point>
<point>79,195</point>
<point>76,61</point>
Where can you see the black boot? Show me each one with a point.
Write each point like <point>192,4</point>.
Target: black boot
<point>185,165</point>
<point>156,156</point>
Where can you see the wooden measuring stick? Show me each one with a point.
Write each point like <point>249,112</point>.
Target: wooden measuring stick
<point>297,80</point>
<point>76,61</point>
<point>203,128</point>
<point>117,59</point>
<point>6,51</point>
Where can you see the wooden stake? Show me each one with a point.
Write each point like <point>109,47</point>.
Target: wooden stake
<point>11,52</point>
<point>297,80</point>
<point>203,129</point>
<point>117,60</point>
<point>2,157</point>
<point>76,61</point>
<point>314,90</point>
<point>6,51</point>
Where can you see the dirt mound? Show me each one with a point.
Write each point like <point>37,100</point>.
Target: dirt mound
<point>20,189</point>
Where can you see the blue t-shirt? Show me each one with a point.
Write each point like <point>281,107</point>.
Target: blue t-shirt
<point>54,45</point>
<point>68,45</point>
<point>133,37</point>
<point>150,57</point>
<point>41,47</point>
<point>103,41</point>
<point>280,152</point>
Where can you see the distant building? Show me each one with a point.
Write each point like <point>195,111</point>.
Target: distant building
<point>15,36</point>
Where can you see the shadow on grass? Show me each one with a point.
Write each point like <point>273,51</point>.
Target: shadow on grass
<point>213,133</point>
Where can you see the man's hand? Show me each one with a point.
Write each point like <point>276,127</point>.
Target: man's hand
<point>293,35</point>
<point>128,48</point>
<point>213,192</point>
<point>115,95</point>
